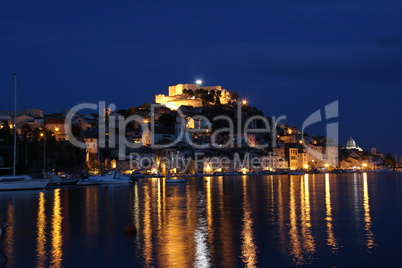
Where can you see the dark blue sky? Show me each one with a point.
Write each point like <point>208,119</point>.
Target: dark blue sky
<point>286,57</point>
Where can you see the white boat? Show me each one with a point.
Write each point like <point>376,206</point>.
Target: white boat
<point>112,177</point>
<point>175,180</point>
<point>21,182</point>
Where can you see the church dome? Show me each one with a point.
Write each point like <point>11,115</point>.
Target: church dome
<point>351,144</point>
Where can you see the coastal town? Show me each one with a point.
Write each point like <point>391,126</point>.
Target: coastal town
<point>194,129</point>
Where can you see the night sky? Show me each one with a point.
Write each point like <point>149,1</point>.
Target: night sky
<point>289,58</point>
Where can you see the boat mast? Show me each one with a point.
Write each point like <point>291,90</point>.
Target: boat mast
<point>15,124</point>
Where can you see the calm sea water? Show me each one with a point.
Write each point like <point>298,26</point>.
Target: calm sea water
<point>326,220</point>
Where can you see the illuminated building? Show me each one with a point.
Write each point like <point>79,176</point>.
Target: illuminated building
<point>176,98</point>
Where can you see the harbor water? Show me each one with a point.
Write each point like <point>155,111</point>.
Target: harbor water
<point>322,220</point>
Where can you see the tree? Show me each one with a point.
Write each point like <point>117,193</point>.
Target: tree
<point>167,120</point>
<point>6,134</point>
<point>145,106</point>
<point>132,110</point>
<point>217,100</point>
<point>25,129</point>
<point>234,95</point>
<point>123,113</point>
<point>390,160</point>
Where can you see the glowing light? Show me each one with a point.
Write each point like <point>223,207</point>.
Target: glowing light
<point>364,165</point>
<point>326,165</point>
<point>244,102</point>
<point>56,129</point>
<point>41,233</point>
<point>248,246</point>
<point>370,244</point>
<point>307,238</point>
<point>244,170</point>
<point>331,240</point>
<point>198,82</point>
<point>56,257</point>
<point>305,166</point>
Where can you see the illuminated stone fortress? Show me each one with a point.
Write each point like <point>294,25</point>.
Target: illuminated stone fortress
<point>176,97</point>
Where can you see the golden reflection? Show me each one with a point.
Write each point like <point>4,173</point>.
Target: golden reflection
<point>208,212</point>
<point>41,232</point>
<point>191,204</point>
<point>308,239</point>
<point>248,246</point>
<point>136,217</point>
<point>281,216</point>
<point>147,228</point>
<point>224,235</point>
<point>57,233</point>
<point>175,240</point>
<point>202,252</point>
<point>9,234</point>
<point>331,240</point>
<point>194,247</point>
<point>295,246</point>
<point>159,203</point>
<point>370,244</point>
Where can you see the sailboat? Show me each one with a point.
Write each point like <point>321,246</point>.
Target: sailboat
<point>19,182</point>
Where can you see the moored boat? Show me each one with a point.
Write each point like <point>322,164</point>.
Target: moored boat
<point>296,172</point>
<point>21,182</point>
<point>179,180</point>
<point>56,180</point>
<point>136,175</point>
<point>111,177</point>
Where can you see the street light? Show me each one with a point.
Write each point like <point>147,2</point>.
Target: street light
<point>44,151</point>
<point>198,82</point>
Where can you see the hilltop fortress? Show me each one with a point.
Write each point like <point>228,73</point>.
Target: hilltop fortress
<point>178,96</point>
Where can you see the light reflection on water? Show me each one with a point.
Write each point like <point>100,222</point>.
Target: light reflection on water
<point>319,220</point>
<point>331,239</point>
<point>56,258</point>
<point>41,231</point>
<point>367,217</point>
<point>248,246</point>
<point>202,254</point>
<point>9,233</point>
<point>295,243</point>
<point>147,246</point>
